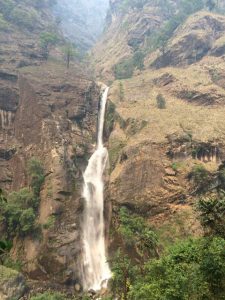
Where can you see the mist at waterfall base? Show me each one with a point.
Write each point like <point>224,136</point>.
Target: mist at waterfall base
<point>95,269</point>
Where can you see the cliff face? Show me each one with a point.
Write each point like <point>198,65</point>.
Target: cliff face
<point>56,122</point>
<point>154,149</point>
<point>127,29</point>
<point>47,112</point>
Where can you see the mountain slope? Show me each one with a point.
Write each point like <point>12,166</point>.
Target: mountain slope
<point>154,149</point>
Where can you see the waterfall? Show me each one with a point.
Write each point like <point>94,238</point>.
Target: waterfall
<point>95,269</point>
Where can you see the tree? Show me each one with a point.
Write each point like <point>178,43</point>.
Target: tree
<point>193,269</point>
<point>138,60</point>
<point>70,53</point>
<point>20,210</point>
<point>123,274</point>
<point>137,233</point>
<point>36,175</point>
<point>200,177</point>
<point>5,247</point>
<point>161,101</point>
<point>47,40</point>
<point>212,215</point>
<point>2,197</point>
<point>124,69</point>
<point>121,91</point>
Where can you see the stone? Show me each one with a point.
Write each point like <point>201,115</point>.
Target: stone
<point>77,287</point>
<point>12,284</point>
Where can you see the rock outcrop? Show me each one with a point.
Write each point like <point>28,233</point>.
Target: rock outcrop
<point>12,284</point>
<point>50,113</point>
<point>201,35</point>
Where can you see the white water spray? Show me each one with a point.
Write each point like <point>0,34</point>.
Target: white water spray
<point>95,269</point>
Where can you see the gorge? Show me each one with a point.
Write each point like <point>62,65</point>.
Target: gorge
<point>112,192</point>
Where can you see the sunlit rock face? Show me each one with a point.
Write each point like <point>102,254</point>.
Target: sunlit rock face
<point>82,21</point>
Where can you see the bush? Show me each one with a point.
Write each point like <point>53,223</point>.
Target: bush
<point>17,214</point>
<point>193,269</point>
<point>124,69</point>
<point>47,39</point>
<point>161,101</point>
<point>49,296</point>
<point>5,247</point>
<point>121,91</point>
<point>212,215</point>
<point>50,222</point>
<point>199,174</point>
<point>36,174</point>
<point>124,273</point>
<point>70,53</point>
<point>20,210</point>
<point>136,232</point>
<point>138,60</point>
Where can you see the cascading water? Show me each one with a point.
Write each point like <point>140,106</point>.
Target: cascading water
<point>95,269</point>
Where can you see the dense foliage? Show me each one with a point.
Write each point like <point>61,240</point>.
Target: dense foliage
<point>212,215</point>
<point>192,269</point>
<point>47,40</point>
<point>19,211</point>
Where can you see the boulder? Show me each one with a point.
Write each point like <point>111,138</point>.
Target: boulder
<point>12,284</point>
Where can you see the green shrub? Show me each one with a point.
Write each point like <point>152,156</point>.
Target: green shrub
<point>12,264</point>
<point>160,101</point>
<point>17,214</point>
<point>193,269</point>
<point>20,210</point>
<point>136,232</point>
<point>36,174</point>
<point>124,273</point>
<point>212,215</point>
<point>70,53</point>
<point>27,220</point>
<point>49,296</point>
<point>121,91</point>
<point>199,174</point>
<point>138,60</point>
<point>47,40</point>
<point>5,247</point>
<point>50,222</point>
<point>124,69</point>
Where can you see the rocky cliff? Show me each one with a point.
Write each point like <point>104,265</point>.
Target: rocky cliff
<point>154,149</point>
<point>48,112</point>
<point>162,123</point>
